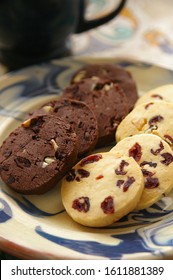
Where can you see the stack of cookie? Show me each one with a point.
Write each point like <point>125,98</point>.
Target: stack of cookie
<point>134,174</point>
<point>55,136</point>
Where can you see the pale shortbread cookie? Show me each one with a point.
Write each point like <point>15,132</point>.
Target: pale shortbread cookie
<point>155,157</point>
<point>155,117</point>
<point>162,93</point>
<point>102,188</point>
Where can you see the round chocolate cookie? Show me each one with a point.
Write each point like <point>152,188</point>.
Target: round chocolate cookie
<point>38,154</point>
<point>113,72</point>
<point>108,102</point>
<point>79,116</point>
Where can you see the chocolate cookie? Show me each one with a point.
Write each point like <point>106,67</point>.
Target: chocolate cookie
<point>106,99</point>
<point>113,72</point>
<point>38,154</point>
<point>80,117</point>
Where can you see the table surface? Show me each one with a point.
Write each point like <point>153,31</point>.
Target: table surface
<point>143,31</point>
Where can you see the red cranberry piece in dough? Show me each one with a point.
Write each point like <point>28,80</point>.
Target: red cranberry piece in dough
<point>155,120</point>
<point>120,170</point>
<point>83,173</point>
<point>157,96</point>
<point>108,205</point>
<point>168,139</point>
<point>81,204</point>
<point>157,151</point>
<point>90,159</point>
<point>151,183</point>
<point>150,163</point>
<point>128,183</point>
<point>168,158</point>
<point>135,152</point>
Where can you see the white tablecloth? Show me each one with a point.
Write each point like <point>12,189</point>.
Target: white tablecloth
<point>142,31</point>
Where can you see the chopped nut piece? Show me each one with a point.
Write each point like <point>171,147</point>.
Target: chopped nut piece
<point>79,76</point>
<point>94,78</point>
<point>48,109</point>
<point>47,161</point>
<point>108,87</point>
<point>44,164</point>
<point>139,123</point>
<point>26,123</point>
<point>54,144</point>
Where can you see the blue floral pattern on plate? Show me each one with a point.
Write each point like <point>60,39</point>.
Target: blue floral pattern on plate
<point>39,223</point>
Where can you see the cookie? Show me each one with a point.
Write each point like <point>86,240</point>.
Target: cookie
<point>153,117</point>
<point>79,116</point>
<point>113,72</point>
<point>38,154</point>
<point>101,189</point>
<point>164,93</point>
<point>108,102</point>
<point>155,157</point>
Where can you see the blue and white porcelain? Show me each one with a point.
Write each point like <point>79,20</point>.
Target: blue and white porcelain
<point>37,227</point>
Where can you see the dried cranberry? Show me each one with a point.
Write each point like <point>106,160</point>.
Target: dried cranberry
<point>128,183</point>
<point>90,159</point>
<point>155,119</point>
<point>151,183</point>
<point>157,96</point>
<point>147,173</point>
<point>168,138</point>
<point>77,179</point>
<point>120,170</point>
<point>83,173</point>
<point>135,152</point>
<point>108,205</point>
<point>149,104</point>
<point>150,163</point>
<point>71,175</point>
<point>120,183</point>
<point>22,162</point>
<point>168,158</point>
<point>99,177</point>
<point>157,151</point>
<point>81,204</point>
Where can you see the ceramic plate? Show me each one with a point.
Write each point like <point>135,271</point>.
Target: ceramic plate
<point>37,227</point>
